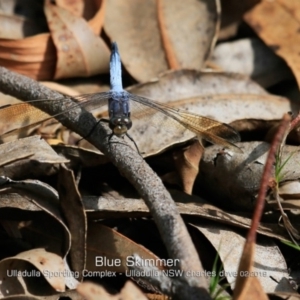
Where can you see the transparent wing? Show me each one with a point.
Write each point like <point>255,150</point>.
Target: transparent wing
<point>24,115</point>
<point>176,120</point>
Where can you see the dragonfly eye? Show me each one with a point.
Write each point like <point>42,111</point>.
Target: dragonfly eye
<point>120,125</point>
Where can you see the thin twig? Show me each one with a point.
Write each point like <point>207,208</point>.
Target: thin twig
<point>169,222</point>
<point>260,202</point>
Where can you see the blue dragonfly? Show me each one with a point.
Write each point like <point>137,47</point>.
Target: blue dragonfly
<point>123,107</point>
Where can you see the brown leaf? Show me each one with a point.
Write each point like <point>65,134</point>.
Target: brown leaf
<point>86,9</point>
<point>76,44</point>
<point>115,253</point>
<point>36,56</point>
<point>44,197</point>
<point>187,162</point>
<point>248,287</point>
<point>71,205</point>
<point>245,56</point>
<point>188,45</point>
<point>19,157</point>
<point>144,53</point>
<point>268,18</point>
<point>14,27</point>
<point>46,263</point>
<point>92,291</point>
<point>268,261</point>
<point>214,95</point>
<point>27,56</point>
<point>110,207</point>
<point>76,7</point>
<point>233,179</point>
<point>81,156</point>
<point>174,85</point>
<point>131,291</point>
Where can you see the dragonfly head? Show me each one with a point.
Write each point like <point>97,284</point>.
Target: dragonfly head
<point>120,125</point>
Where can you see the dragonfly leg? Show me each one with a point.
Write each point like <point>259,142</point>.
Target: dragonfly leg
<point>137,148</point>
<point>110,136</point>
<point>92,130</point>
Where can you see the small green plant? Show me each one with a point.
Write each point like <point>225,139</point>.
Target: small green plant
<point>279,166</point>
<point>291,244</point>
<point>215,289</point>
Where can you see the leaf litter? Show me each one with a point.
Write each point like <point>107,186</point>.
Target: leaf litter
<point>58,223</point>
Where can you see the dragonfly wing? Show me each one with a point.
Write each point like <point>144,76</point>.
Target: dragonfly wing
<point>24,115</point>
<point>172,119</point>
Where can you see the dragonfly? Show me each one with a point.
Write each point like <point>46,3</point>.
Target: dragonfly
<point>123,107</point>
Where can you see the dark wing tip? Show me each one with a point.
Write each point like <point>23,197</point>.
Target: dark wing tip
<point>227,132</point>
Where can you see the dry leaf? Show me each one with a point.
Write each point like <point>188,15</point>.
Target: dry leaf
<point>111,207</point>
<point>233,179</point>
<point>43,196</point>
<point>214,95</point>
<point>143,53</point>
<point>253,58</point>
<point>268,261</point>
<point>268,19</point>
<point>21,158</point>
<point>187,164</point>
<point>27,56</point>
<point>71,206</point>
<point>36,56</point>
<point>76,44</point>
<point>46,263</point>
<point>115,254</point>
<point>92,291</point>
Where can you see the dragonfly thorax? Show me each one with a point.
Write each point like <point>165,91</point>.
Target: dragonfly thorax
<point>120,125</point>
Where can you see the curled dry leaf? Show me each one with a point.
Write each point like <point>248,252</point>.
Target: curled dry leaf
<point>44,197</point>
<point>268,18</point>
<point>268,260</point>
<point>71,206</point>
<point>76,44</point>
<point>46,263</point>
<point>76,7</point>
<point>27,56</point>
<point>36,56</point>
<point>154,37</point>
